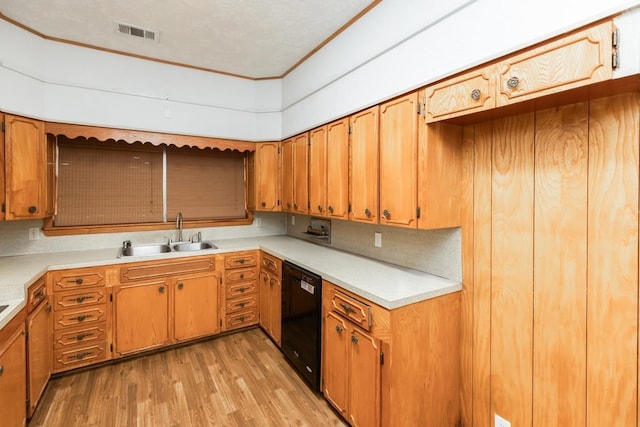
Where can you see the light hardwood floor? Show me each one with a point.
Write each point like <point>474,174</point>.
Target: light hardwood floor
<point>236,380</point>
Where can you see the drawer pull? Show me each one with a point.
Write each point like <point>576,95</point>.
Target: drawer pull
<point>81,356</point>
<point>475,94</point>
<point>242,304</point>
<point>339,329</point>
<point>77,281</point>
<point>32,209</point>
<point>81,299</point>
<point>241,290</point>
<point>39,294</point>
<point>80,337</point>
<point>241,318</point>
<point>82,317</point>
<point>263,204</point>
<point>48,308</point>
<point>242,275</point>
<point>330,208</point>
<point>239,261</point>
<point>354,339</point>
<point>1,369</point>
<point>347,308</point>
<point>513,82</point>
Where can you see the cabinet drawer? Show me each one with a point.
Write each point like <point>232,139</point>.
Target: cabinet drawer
<point>37,292</point>
<point>576,60</point>
<point>239,275</point>
<point>242,303</point>
<point>155,270</point>
<point>241,259</point>
<point>86,335</point>
<point>79,278</point>
<point>271,264</point>
<point>242,319</point>
<point>64,300</point>
<point>79,356</point>
<point>354,310</point>
<point>79,316</point>
<point>241,289</point>
<point>466,94</point>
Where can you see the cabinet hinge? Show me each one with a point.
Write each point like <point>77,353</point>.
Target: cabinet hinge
<point>615,61</point>
<point>26,334</point>
<point>28,405</point>
<point>2,126</point>
<point>349,208</point>
<point>278,202</point>
<point>381,358</point>
<point>418,105</point>
<point>110,297</point>
<point>221,323</point>
<point>111,347</point>
<point>418,212</point>
<point>3,207</point>
<point>615,38</point>
<point>220,279</point>
<point>350,129</point>
<point>278,150</point>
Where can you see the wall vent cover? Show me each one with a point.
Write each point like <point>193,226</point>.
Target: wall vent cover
<point>136,31</point>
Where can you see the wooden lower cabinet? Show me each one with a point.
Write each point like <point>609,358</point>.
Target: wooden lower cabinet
<point>195,308</point>
<point>39,348</point>
<point>13,373</point>
<point>403,371</point>
<point>141,316</point>
<point>270,283</point>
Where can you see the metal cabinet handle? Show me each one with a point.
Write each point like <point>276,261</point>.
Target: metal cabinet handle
<point>386,214</point>
<point>263,204</point>
<point>239,261</point>
<point>475,94</point>
<point>367,212</point>
<point>339,329</point>
<point>32,209</point>
<point>347,308</point>
<point>80,356</point>
<point>80,337</point>
<point>180,285</point>
<point>354,339</point>
<point>1,369</point>
<point>39,294</point>
<point>242,304</point>
<point>288,205</point>
<point>330,208</point>
<point>513,82</point>
<point>81,299</point>
<point>77,281</point>
<point>241,290</point>
<point>319,208</point>
<point>241,318</point>
<point>242,275</point>
<point>161,289</point>
<point>82,317</point>
<point>295,206</point>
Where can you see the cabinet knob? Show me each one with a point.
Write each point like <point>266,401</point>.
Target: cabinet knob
<point>263,204</point>
<point>1,369</point>
<point>367,212</point>
<point>288,205</point>
<point>32,209</point>
<point>319,208</point>
<point>475,94</point>
<point>242,304</point>
<point>330,209</point>
<point>513,82</point>
<point>180,285</point>
<point>295,206</point>
<point>242,275</point>
<point>241,290</point>
<point>161,289</point>
<point>354,339</point>
<point>48,308</point>
<point>339,329</point>
<point>386,214</point>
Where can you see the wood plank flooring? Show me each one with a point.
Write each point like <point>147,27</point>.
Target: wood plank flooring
<point>236,380</point>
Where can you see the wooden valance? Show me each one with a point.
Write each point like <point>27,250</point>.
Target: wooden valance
<point>155,138</point>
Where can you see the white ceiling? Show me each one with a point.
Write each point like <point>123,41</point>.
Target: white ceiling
<point>249,38</point>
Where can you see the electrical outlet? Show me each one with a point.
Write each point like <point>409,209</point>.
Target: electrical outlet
<point>377,240</point>
<point>501,422</point>
<point>293,220</point>
<point>257,222</point>
<point>34,233</point>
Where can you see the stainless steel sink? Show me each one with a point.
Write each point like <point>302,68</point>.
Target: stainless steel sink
<point>195,246</point>
<point>142,250</point>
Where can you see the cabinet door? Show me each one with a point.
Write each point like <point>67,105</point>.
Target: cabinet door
<point>196,307</point>
<point>364,166</point>
<point>13,379</point>
<point>318,171</point>
<point>265,302</point>
<point>335,377</point>
<point>338,169</point>
<point>275,308</point>
<point>2,175</point>
<point>141,316</point>
<point>399,161</point>
<point>39,349</point>
<point>364,381</point>
<point>287,177</point>
<point>267,165</point>
<point>301,174</point>
<point>26,167</point>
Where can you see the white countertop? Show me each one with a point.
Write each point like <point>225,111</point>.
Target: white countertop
<point>387,285</point>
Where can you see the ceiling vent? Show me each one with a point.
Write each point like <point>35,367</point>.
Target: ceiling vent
<point>139,32</point>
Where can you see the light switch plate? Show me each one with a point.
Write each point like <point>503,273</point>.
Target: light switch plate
<point>34,233</point>
<point>377,240</point>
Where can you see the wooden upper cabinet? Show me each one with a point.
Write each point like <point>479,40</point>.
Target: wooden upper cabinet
<point>338,169</point>
<point>267,183</point>
<point>439,174</point>
<point>318,171</point>
<point>576,60</point>
<point>286,177</point>
<point>364,166</point>
<point>301,174</point>
<point>468,93</point>
<point>25,168</point>
<point>399,161</point>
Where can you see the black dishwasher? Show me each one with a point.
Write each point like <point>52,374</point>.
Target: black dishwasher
<point>301,320</point>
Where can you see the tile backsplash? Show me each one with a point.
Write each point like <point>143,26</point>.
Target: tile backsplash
<point>432,251</point>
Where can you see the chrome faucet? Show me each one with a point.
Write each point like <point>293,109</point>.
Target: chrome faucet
<point>179,226</point>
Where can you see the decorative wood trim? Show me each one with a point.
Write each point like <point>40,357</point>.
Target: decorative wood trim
<point>49,229</point>
<point>155,138</point>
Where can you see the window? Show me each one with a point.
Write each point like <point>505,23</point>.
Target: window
<point>115,183</point>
